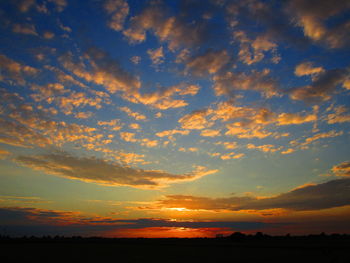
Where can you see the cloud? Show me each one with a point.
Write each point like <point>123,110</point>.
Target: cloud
<point>135,59</point>
<point>260,45</point>
<point>117,11</point>
<point>25,5</point>
<point>292,118</point>
<point>229,82</point>
<point>10,199</point>
<point>190,149</point>
<point>83,115</point>
<point>210,62</point>
<point>156,55</point>
<point>115,124</point>
<point>229,145</point>
<point>104,71</point>
<point>210,133</point>
<point>48,35</point>
<point>170,133</point>
<point>66,99</point>
<point>307,68</point>
<point>128,136</point>
<point>163,97</point>
<point>20,221</point>
<point>264,148</point>
<point>339,115</point>
<point>137,116</point>
<point>277,25</point>
<point>170,29</point>
<point>322,86</point>
<point>4,153</point>
<point>236,129</point>
<point>17,134</point>
<point>26,29</point>
<point>13,71</point>
<point>317,136</point>
<point>149,143</point>
<point>312,16</point>
<point>232,155</point>
<point>195,120</point>
<point>248,122</point>
<point>331,194</point>
<point>68,80</point>
<point>135,126</point>
<point>60,4</point>
<point>89,169</point>
<point>342,169</point>
<point>127,158</point>
<point>288,151</point>
<point>28,126</point>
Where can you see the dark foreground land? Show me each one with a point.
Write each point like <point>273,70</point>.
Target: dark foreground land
<point>231,249</point>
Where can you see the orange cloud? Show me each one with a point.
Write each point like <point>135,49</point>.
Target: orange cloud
<point>342,169</point>
<point>210,133</point>
<point>292,118</point>
<point>156,55</point>
<point>317,136</point>
<point>162,98</point>
<point>195,120</point>
<point>136,115</point>
<point>149,143</point>
<point>232,155</point>
<point>338,116</point>
<point>264,148</point>
<point>14,71</point>
<point>128,136</point>
<point>83,115</point>
<point>307,68</point>
<point>4,153</point>
<point>229,82</point>
<point>115,124</point>
<point>135,126</point>
<point>117,11</point>
<point>170,133</point>
<point>260,45</point>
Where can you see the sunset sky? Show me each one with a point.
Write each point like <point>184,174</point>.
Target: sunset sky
<point>174,118</point>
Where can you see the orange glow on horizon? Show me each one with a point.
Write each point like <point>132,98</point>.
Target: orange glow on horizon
<point>168,232</point>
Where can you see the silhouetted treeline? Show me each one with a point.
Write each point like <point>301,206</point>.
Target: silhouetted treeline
<point>234,237</point>
<point>241,237</point>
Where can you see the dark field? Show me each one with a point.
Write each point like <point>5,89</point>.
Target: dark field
<point>177,250</point>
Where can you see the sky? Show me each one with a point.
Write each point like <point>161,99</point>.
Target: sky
<point>184,118</point>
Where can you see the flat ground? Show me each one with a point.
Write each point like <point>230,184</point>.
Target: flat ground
<point>177,250</point>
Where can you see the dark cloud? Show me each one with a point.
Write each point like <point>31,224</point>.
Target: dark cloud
<point>331,194</point>
<point>322,86</point>
<point>312,17</point>
<point>19,221</point>
<point>230,82</point>
<point>209,62</point>
<point>263,13</point>
<point>100,171</point>
<point>171,29</point>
